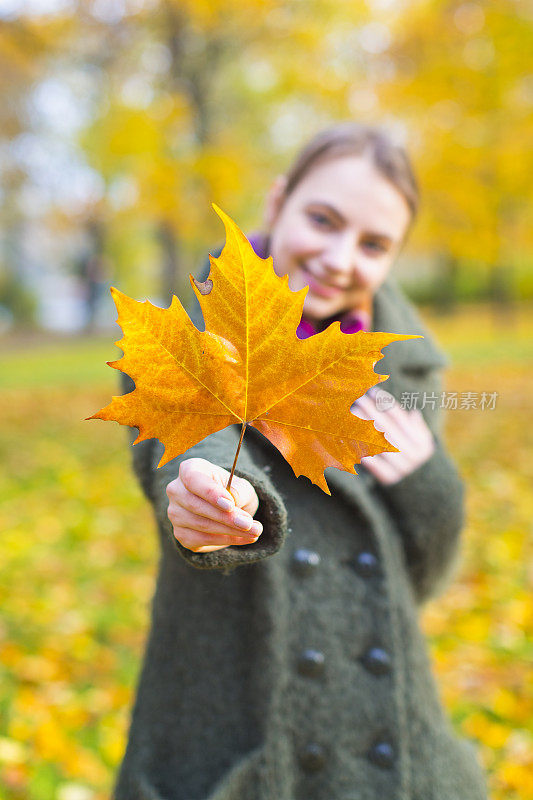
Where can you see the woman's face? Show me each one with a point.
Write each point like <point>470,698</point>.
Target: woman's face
<point>338,232</point>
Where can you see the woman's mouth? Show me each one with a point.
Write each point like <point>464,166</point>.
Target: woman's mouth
<point>321,289</point>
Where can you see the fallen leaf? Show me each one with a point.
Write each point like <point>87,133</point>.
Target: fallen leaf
<point>248,367</point>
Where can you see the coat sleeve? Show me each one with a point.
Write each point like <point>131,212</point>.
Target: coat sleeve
<point>219,448</point>
<point>428,504</point>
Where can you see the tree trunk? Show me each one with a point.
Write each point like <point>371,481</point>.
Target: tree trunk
<point>446,284</point>
<point>501,293</point>
<point>92,273</point>
<point>170,261</point>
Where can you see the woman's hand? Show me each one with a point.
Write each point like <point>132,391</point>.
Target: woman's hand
<point>204,515</point>
<point>406,430</point>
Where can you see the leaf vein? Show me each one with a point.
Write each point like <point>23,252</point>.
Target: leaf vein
<point>186,369</point>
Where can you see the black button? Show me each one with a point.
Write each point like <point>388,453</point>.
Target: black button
<point>366,564</point>
<point>304,561</point>
<point>313,757</point>
<point>311,663</point>
<point>377,661</point>
<point>382,755</point>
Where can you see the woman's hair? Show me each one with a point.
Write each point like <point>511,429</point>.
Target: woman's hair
<point>348,139</point>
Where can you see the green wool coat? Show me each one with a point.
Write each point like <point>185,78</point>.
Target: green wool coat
<point>294,668</point>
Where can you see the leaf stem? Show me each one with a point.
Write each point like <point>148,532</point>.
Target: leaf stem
<point>236,456</point>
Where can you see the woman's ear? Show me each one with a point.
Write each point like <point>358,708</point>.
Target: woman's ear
<point>274,201</point>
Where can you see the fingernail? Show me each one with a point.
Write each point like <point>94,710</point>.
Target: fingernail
<point>256,528</point>
<point>243,521</point>
<point>224,504</point>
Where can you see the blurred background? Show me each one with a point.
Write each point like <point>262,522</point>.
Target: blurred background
<point>121,121</point>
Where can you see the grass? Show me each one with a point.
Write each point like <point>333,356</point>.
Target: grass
<point>69,362</point>
<point>478,336</point>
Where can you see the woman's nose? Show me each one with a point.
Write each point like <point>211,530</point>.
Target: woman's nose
<point>340,257</point>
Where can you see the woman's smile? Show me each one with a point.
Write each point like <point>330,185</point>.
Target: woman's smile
<point>319,287</point>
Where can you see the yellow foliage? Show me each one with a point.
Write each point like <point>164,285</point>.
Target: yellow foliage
<point>11,751</point>
<point>507,705</point>
<point>210,14</point>
<point>126,133</point>
<point>457,81</point>
<point>492,734</point>
<point>518,777</point>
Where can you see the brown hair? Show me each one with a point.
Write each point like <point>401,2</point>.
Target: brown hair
<point>351,138</point>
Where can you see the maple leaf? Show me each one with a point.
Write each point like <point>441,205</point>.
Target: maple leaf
<point>247,367</point>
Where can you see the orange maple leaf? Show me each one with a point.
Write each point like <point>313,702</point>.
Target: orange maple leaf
<point>248,367</point>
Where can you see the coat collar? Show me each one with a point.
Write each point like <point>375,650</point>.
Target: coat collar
<point>392,313</point>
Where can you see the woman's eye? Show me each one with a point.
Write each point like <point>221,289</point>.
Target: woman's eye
<point>320,220</point>
<point>375,247</point>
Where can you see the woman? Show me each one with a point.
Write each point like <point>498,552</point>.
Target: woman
<point>285,659</point>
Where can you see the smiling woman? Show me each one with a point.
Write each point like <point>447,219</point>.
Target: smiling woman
<point>285,660</point>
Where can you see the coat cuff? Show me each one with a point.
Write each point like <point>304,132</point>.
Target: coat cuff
<point>271,513</point>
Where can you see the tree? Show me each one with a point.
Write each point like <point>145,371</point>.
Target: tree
<point>191,106</point>
<point>460,79</point>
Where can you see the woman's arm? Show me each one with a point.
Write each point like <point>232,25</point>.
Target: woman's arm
<point>421,487</point>
<point>218,449</point>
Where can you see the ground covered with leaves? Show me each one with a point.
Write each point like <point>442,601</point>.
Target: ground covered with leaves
<point>78,555</point>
